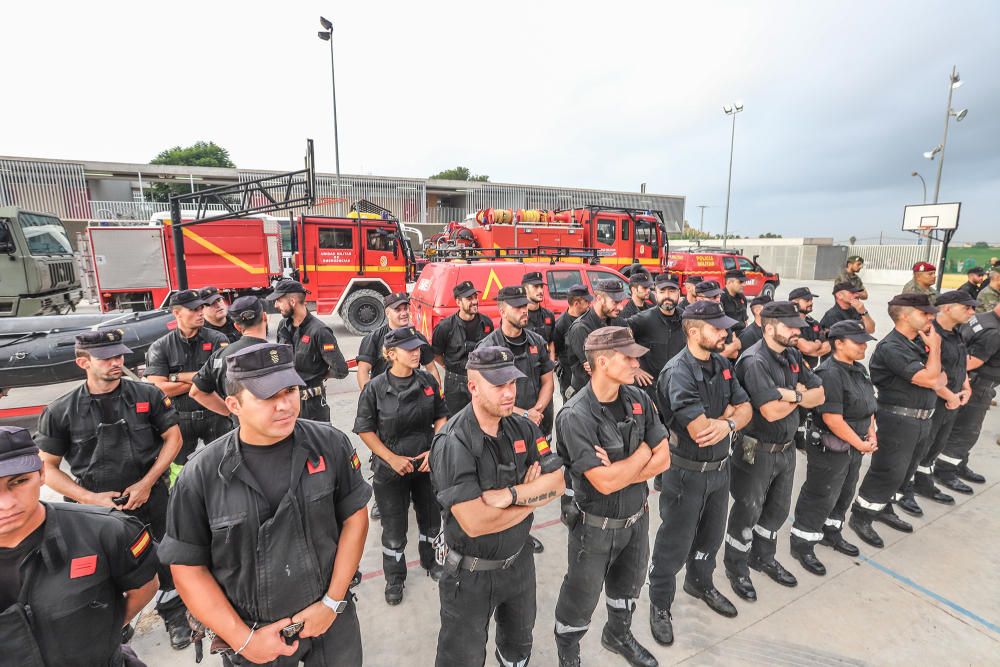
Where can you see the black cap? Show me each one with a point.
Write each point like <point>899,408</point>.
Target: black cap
<point>760,300</point>
<point>264,368</point>
<point>394,299</point>
<point>785,312</point>
<point>666,280</point>
<point>851,330</point>
<point>710,312</point>
<point>694,280</point>
<point>612,287</point>
<point>846,287</point>
<point>708,288</point>
<point>464,290</point>
<point>246,309</point>
<point>619,339</point>
<point>914,300</point>
<point>513,296</point>
<point>102,344</point>
<point>736,273</point>
<point>955,296</point>
<point>188,298</point>
<point>209,294</point>
<point>801,293</point>
<point>495,363</point>
<point>977,270</point>
<point>532,278</point>
<point>640,278</point>
<point>405,338</point>
<point>18,452</point>
<point>287,286</point>
<point>580,291</point>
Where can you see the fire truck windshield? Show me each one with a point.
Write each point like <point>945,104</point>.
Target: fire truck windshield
<point>44,234</point>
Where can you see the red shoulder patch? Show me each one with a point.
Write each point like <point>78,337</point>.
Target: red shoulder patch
<point>143,407</point>
<point>533,349</point>
<point>305,339</point>
<point>207,347</point>
<point>637,408</point>
<point>428,391</point>
<point>320,466</point>
<point>519,447</point>
<point>794,366</point>
<point>548,320</point>
<point>727,374</point>
<point>84,566</point>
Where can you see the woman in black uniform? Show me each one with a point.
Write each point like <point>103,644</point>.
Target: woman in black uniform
<point>398,413</point>
<point>846,431</point>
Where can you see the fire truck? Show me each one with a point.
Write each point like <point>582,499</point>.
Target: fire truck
<point>616,237</point>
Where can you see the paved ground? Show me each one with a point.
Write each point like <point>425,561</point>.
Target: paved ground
<point>926,598</point>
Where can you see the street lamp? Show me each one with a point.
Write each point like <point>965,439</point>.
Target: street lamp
<point>954,82</point>
<point>327,35</point>
<point>731,110</point>
<point>922,182</point>
<point>701,223</point>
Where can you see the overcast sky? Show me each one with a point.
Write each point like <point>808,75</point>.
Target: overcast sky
<point>841,99</point>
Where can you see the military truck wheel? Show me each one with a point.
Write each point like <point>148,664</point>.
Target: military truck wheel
<point>767,290</point>
<point>363,311</point>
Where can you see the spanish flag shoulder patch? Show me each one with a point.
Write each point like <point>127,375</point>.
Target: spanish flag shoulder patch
<point>355,461</point>
<point>329,347</point>
<point>167,402</point>
<point>543,446</point>
<point>141,544</point>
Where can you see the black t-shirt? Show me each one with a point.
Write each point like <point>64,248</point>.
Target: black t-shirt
<point>893,364</point>
<point>736,308</point>
<point>953,357</point>
<point>108,405</point>
<point>762,372</point>
<point>616,409</point>
<point>271,467</point>
<point>543,322</point>
<point>10,560</point>
<point>982,337</point>
<point>849,393</point>
<point>838,314</point>
<point>659,332</point>
<point>813,331</point>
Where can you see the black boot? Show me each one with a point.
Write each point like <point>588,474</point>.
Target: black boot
<point>969,476</point>
<point>863,527</point>
<point>742,586</point>
<point>625,645</point>
<point>661,625</point>
<point>773,569</point>
<point>908,504</point>
<point>924,487</point>
<point>178,628</point>
<point>835,540</point>
<point>953,483</point>
<point>393,592</point>
<point>807,557</point>
<point>889,518</point>
<point>711,596</point>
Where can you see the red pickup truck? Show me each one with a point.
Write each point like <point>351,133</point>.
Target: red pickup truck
<point>713,264</point>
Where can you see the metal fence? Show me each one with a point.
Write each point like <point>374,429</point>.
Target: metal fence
<point>134,210</point>
<point>893,264</point>
<point>57,188</point>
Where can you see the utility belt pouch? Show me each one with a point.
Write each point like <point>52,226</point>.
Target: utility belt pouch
<point>19,645</point>
<point>452,561</point>
<point>748,449</point>
<point>570,515</point>
<point>833,443</point>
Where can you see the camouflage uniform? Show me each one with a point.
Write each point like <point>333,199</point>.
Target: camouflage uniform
<point>846,276</point>
<point>986,301</point>
<point>913,288</point>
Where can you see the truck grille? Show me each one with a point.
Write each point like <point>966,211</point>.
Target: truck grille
<point>61,273</point>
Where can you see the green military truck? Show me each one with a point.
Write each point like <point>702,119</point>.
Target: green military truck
<point>38,273</point>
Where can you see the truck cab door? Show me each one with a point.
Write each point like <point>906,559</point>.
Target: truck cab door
<point>755,279</point>
<point>330,254</point>
<point>606,237</point>
<point>646,246</point>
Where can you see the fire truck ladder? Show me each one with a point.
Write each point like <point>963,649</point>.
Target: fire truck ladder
<point>552,253</point>
<point>243,200</point>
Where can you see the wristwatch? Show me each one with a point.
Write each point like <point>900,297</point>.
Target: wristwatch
<point>513,495</point>
<point>732,425</point>
<point>798,396</point>
<point>172,377</point>
<point>338,606</point>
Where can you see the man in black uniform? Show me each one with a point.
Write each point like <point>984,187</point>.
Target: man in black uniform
<point>734,302</point>
<point>490,469</point>
<point>614,441</point>
<point>609,296</point>
<point>71,576</point>
<point>217,314</point>
<point>659,330</point>
<point>317,354</point>
<point>708,290</point>
<point>778,383</point>
<point>690,284</point>
<point>848,305</point>
<point>541,320</point>
<point>209,385</point>
<point>285,495</point>
<point>976,278</point>
<point>578,300</point>
<point>705,407</point>
<point>955,308</point>
<point>812,338</point>
<point>639,285</point>
<point>172,362</point>
<point>752,333</point>
<point>906,370</point>
<point>371,361</point>
<point>454,337</point>
<point>982,338</point>
<point>119,438</point>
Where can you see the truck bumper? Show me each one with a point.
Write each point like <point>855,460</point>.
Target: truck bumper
<point>42,305</point>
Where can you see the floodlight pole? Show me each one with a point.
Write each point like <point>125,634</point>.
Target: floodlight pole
<point>952,82</point>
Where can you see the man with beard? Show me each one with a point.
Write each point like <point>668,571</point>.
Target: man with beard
<point>454,337</point>
<point>924,281</point>
<point>705,407</point>
<point>752,333</point>
<point>659,330</point>
<point>976,279</point>
<point>690,283</point>
<point>709,290</point>
<point>734,302</point>
<point>317,355</point>
<point>537,384</point>
<point>849,275</point>
<point>578,300</point>
<point>371,361</point>
<point>217,314</point>
<point>604,311</point>
<point>778,383</point>
<point>812,339</point>
<point>541,320</point>
<point>906,370</point>
<point>989,296</point>
<point>639,284</point>
<point>847,305</point>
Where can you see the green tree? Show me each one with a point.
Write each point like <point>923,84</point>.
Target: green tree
<point>459,174</point>
<point>981,244</point>
<point>199,154</point>
<point>770,235</point>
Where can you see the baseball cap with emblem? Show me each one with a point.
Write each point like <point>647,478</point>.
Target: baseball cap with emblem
<point>801,293</point>
<point>846,287</point>
<point>694,280</point>
<point>513,296</point>
<point>102,344</point>
<point>619,339</point>
<point>708,288</point>
<point>394,299</point>
<point>760,300</point>
<point>246,309</point>
<point>785,312</point>
<point>855,258</point>
<point>464,290</point>
<point>18,452</point>
<point>405,338</point>
<point>264,369</point>
<point>188,298</point>
<point>955,296</point>
<point>666,280</point>
<point>709,312</point>
<point>612,287</point>
<point>532,278</point>
<point>495,364</point>
<point>737,274</point>
<point>580,291</point>
<point>209,294</point>
<point>851,330</point>
<point>913,300</point>
<point>287,286</point>
<point>640,278</point>
<point>922,267</point>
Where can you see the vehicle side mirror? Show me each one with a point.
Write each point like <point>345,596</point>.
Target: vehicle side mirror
<point>6,240</point>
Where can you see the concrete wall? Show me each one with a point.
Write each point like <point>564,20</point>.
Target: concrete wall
<point>795,258</point>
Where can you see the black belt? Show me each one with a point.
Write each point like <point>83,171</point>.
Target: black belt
<point>696,466</point>
<point>193,414</point>
<point>604,523</point>
<point>461,373</point>
<point>311,392</point>
<point>922,414</point>
<point>772,447</point>
<point>474,564</point>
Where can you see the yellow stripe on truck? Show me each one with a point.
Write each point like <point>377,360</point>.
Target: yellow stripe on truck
<point>208,245</point>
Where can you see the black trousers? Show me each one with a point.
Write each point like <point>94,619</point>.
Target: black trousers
<point>825,496</point>
<point>340,646</point>
<point>693,523</point>
<point>470,599</point>
<point>921,471</point>
<point>968,426</point>
<point>203,425</point>
<point>394,497</point>
<point>898,438</point>
<point>612,560</point>
<point>456,391</point>
<point>762,496</point>
<point>316,408</point>
<point>565,377</point>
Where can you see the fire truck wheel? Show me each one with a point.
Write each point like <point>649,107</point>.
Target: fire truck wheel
<point>767,290</point>
<point>363,311</point>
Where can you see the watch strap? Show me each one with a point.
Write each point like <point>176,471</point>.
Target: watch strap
<point>338,606</point>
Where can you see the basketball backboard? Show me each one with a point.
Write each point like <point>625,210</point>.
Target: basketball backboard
<point>930,217</point>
